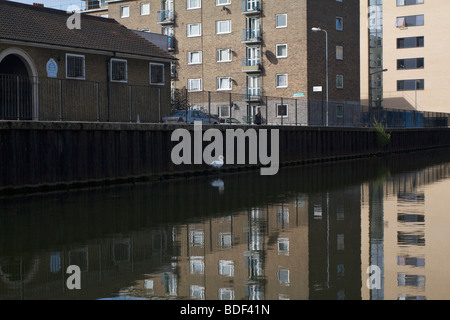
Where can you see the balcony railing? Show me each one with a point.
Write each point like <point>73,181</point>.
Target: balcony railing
<point>251,65</point>
<point>251,7</point>
<point>166,17</point>
<point>251,94</point>
<point>251,35</point>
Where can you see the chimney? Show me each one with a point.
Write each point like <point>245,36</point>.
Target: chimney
<point>38,5</point>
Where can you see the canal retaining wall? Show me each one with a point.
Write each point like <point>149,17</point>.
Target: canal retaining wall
<point>41,156</point>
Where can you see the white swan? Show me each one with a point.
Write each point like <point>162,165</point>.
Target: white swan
<point>217,163</point>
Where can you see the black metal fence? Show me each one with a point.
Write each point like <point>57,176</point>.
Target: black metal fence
<point>49,99</point>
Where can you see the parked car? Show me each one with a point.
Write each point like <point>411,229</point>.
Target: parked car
<point>229,121</point>
<point>192,116</point>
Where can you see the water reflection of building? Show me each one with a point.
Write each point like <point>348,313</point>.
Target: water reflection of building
<point>413,243</point>
<point>257,254</point>
<point>335,237</point>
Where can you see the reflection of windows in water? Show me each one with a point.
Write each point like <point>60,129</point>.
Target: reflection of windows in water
<point>283,246</point>
<point>340,242</point>
<point>197,238</point>
<point>405,238</point>
<point>283,277</point>
<point>226,294</point>
<point>411,280</point>
<point>197,265</point>
<point>318,211</point>
<point>405,217</point>
<point>159,242</point>
<point>225,239</point>
<point>410,261</point>
<point>197,292</point>
<point>254,264</point>
<point>121,250</point>
<point>255,240</point>
<point>340,270</point>
<point>169,281</point>
<point>408,297</point>
<point>283,216</point>
<point>79,257</point>
<point>226,268</point>
<point>253,292</point>
<point>55,262</point>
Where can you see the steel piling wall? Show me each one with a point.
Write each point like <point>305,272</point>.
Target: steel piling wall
<point>36,156</point>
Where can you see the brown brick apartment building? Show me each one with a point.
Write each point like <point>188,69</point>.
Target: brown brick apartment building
<point>253,48</point>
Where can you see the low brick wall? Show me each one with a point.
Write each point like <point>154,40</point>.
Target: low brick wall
<point>54,155</point>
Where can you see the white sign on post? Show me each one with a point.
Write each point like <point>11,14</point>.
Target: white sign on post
<point>317,89</point>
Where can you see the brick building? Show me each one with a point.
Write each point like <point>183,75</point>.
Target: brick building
<point>42,57</point>
<point>253,48</point>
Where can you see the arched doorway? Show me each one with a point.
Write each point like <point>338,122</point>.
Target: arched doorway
<point>18,86</point>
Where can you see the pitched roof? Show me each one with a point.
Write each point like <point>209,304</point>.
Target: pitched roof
<point>49,26</point>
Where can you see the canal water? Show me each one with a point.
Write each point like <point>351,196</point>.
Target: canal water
<point>364,229</point>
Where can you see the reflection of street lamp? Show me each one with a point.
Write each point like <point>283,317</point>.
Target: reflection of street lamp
<point>315,29</point>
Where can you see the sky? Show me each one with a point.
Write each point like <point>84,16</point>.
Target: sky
<point>55,4</point>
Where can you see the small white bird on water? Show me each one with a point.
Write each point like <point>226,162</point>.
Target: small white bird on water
<point>218,163</point>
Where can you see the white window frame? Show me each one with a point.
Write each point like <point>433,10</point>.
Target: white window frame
<point>219,82</point>
<point>278,83</point>
<point>189,57</point>
<point>188,30</point>
<point>142,5</point>
<point>276,21</point>
<point>163,74</point>
<point>189,6</point>
<point>219,55</point>
<point>221,113</point>
<point>190,81</point>
<point>122,12</point>
<point>227,2</point>
<point>287,110</point>
<point>111,70</point>
<point>276,50</point>
<point>83,77</point>
<point>223,32</point>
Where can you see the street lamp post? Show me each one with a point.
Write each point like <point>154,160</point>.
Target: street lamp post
<point>315,29</point>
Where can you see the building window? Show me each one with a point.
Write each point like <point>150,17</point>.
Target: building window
<point>124,11</point>
<point>339,23</point>
<point>281,50</point>
<point>410,21</point>
<point>194,85</point>
<point>222,2</point>
<point>339,53</point>
<point>145,9</point>
<point>194,4</point>
<point>401,3</point>
<point>156,73</point>
<point>410,85</point>
<point>223,111</point>
<point>410,42</point>
<point>75,66</point>
<point>195,57</point>
<point>281,21</point>
<point>282,80</point>
<point>224,83</point>
<point>223,55</point>
<point>194,30</point>
<point>339,81</point>
<point>339,111</point>
<point>119,70</point>
<point>223,27</point>
<point>413,63</point>
<point>282,110</point>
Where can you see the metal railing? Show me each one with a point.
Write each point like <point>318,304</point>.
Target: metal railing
<point>50,99</point>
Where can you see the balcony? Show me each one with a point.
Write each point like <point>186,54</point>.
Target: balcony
<point>251,36</point>
<point>251,94</point>
<point>252,65</point>
<point>251,7</point>
<point>166,17</point>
